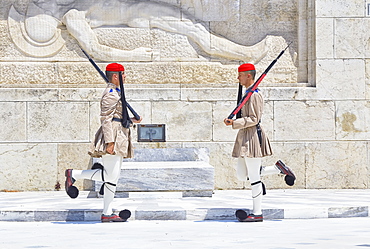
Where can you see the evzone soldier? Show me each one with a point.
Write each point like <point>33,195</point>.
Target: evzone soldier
<point>112,143</point>
<point>252,144</point>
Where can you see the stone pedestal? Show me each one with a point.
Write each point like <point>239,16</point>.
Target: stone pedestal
<point>165,170</point>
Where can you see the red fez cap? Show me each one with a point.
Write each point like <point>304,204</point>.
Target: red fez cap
<point>246,67</point>
<point>115,67</point>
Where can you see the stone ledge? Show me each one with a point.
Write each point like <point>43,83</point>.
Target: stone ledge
<point>178,213</point>
<point>162,92</point>
<point>277,204</point>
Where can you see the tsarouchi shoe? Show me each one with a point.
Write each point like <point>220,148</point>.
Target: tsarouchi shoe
<point>253,218</point>
<point>71,190</point>
<point>111,218</point>
<point>289,175</point>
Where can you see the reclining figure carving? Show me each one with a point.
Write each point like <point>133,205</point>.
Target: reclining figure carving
<point>38,32</point>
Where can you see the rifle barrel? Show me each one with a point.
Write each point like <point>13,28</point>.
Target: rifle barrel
<point>136,116</point>
<point>255,85</point>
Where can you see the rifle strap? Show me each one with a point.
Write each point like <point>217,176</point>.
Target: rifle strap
<point>126,121</point>
<point>240,93</point>
<point>239,114</point>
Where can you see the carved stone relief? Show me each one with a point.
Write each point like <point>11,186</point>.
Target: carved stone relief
<point>41,35</point>
<point>157,31</point>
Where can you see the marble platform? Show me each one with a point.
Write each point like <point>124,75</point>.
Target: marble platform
<point>185,171</point>
<point>190,178</point>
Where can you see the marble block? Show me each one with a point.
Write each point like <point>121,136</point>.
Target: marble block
<point>192,178</point>
<point>348,212</point>
<point>308,120</point>
<point>13,116</point>
<point>181,119</point>
<point>160,215</point>
<point>334,8</point>
<point>220,214</point>
<point>67,215</point>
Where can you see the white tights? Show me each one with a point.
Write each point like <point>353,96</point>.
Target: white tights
<point>251,168</point>
<point>112,169</point>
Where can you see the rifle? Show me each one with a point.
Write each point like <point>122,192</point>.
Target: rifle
<point>136,116</point>
<point>249,93</point>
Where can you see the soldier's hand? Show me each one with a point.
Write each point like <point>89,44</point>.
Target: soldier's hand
<point>134,120</point>
<point>228,121</point>
<point>110,148</point>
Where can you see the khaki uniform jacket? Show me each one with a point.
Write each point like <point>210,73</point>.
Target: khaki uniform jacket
<point>247,143</point>
<point>111,131</point>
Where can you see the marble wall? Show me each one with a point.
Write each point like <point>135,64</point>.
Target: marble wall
<point>316,103</point>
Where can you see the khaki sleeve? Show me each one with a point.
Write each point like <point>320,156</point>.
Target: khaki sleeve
<point>255,113</point>
<point>108,106</point>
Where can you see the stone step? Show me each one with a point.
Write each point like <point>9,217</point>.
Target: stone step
<point>277,204</point>
<point>191,178</point>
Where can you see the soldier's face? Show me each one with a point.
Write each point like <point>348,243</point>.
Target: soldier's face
<point>115,78</point>
<point>245,79</point>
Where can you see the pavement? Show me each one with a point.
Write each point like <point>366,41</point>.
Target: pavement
<point>335,233</point>
<point>277,204</point>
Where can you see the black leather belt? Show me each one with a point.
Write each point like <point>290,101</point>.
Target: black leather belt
<point>117,119</point>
